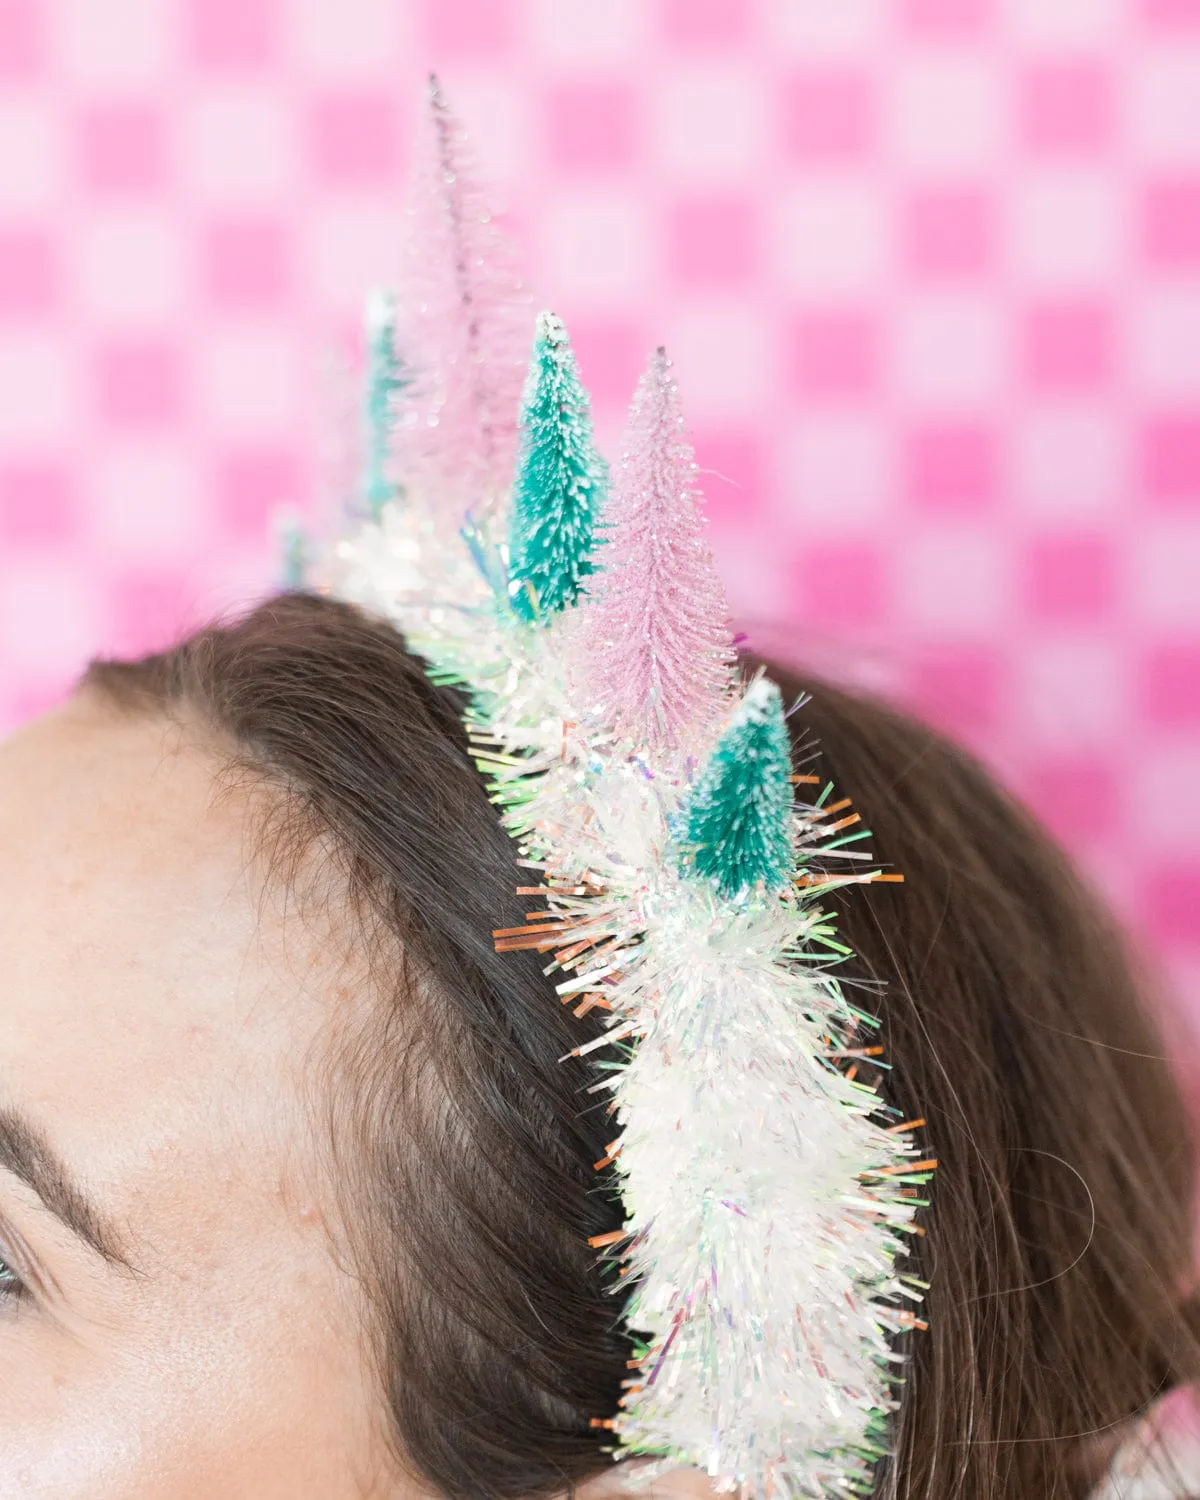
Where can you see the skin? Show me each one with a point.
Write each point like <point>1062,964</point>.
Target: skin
<point>162,1007</point>
<point>157,1004</point>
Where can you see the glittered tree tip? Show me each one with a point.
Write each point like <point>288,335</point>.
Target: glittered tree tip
<point>560,485</point>
<point>736,824</point>
<point>551,329</point>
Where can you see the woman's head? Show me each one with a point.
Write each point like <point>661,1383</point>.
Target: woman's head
<point>255,1004</point>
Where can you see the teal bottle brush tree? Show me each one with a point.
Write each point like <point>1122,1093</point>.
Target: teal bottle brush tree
<point>385,379</point>
<point>735,827</point>
<point>561,482</point>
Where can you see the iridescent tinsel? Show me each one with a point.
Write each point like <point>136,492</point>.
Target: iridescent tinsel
<point>766,1192</point>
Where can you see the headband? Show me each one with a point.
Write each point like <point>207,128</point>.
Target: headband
<point>682,865</point>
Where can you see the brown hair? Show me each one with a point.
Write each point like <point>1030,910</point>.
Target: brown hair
<point>1057,1247</point>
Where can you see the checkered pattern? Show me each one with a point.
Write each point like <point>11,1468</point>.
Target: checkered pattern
<point>929,269</point>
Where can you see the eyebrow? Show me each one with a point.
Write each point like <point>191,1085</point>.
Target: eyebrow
<point>28,1155</point>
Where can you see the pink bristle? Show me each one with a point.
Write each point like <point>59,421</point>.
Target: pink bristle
<point>656,649</point>
<point>464,329</point>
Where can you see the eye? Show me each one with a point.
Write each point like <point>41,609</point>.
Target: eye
<point>12,1288</point>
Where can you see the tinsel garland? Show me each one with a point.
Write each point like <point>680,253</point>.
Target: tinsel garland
<point>766,1197</point>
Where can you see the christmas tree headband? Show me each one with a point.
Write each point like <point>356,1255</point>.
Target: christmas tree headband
<point>682,864</point>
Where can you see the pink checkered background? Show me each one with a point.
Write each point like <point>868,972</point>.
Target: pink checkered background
<point>929,269</point>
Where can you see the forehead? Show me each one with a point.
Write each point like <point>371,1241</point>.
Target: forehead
<point>157,998</point>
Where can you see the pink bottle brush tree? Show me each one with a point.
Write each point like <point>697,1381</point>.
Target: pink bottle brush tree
<point>659,659</point>
<point>463,329</point>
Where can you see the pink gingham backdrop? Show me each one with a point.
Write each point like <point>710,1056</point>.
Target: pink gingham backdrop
<point>929,270</point>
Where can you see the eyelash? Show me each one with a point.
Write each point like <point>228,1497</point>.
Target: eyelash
<point>12,1288</point>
